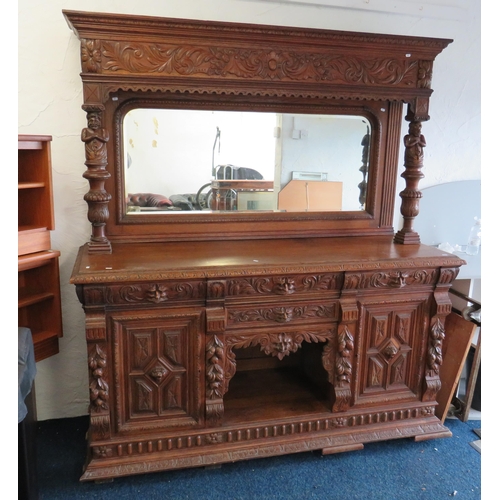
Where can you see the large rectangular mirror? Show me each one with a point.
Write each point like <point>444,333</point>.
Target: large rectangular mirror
<point>179,160</point>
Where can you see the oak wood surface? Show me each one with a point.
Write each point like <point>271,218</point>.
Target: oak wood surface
<point>218,258</point>
<point>216,337</point>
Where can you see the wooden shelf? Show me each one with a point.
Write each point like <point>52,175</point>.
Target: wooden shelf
<point>34,298</point>
<point>35,198</point>
<point>46,344</point>
<point>30,185</point>
<point>36,259</point>
<point>39,296</point>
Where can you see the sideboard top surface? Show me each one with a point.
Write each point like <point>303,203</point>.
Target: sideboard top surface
<point>217,259</point>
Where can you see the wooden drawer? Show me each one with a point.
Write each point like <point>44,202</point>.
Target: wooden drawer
<point>320,284</point>
<point>281,313</point>
<point>146,294</point>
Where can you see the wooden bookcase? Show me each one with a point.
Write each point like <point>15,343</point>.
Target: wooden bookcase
<point>39,299</point>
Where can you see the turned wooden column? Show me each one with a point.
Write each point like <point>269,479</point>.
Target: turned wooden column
<point>96,139</point>
<point>414,143</point>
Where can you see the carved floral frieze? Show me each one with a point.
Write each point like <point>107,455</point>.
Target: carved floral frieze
<point>212,61</point>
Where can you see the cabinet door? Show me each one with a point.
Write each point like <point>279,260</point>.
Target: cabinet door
<point>392,339</point>
<point>157,366</point>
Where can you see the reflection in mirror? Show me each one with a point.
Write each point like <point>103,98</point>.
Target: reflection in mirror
<point>191,160</point>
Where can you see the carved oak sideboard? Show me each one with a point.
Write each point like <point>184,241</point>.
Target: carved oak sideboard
<point>217,336</point>
<point>317,344</point>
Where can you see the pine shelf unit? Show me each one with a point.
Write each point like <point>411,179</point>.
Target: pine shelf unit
<point>39,296</point>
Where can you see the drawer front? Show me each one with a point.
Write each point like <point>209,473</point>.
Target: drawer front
<point>281,313</point>
<point>145,294</point>
<point>391,279</point>
<point>284,285</point>
<point>156,360</point>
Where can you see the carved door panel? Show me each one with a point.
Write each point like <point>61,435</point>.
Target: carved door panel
<point>392,339</point>
<point>157,358</point>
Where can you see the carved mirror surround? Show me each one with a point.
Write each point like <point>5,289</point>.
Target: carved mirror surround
<point>147,63</point>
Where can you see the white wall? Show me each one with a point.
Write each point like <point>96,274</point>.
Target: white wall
<point>155,139</point>
<point>50,98</point>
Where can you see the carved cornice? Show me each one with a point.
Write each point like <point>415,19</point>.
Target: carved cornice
<point>87,23</point>
<point>178,49</point>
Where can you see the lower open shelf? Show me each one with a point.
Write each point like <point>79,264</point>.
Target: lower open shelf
<point>261,395</point>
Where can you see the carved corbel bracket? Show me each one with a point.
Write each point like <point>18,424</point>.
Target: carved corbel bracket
<point>96,139</point>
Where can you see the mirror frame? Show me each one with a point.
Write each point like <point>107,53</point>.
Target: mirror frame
<point>131,61</point>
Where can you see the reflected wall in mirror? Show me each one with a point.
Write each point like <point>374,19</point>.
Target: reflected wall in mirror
<point>201,160</point>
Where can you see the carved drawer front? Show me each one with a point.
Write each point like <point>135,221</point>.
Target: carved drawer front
<point>154,292</point>
<point>281,313</point>
<point>390,279</point>
<point>391,349</point>
<point>284,285</point>
<point>156,361</point>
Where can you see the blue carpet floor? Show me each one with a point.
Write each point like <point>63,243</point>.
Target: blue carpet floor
<point>393,470</point>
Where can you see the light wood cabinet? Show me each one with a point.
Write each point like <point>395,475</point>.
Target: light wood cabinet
<point>39,296</point>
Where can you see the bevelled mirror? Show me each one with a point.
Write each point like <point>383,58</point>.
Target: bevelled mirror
<point>201,160</point>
